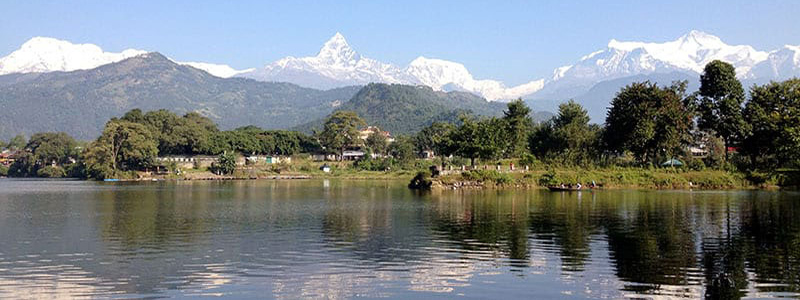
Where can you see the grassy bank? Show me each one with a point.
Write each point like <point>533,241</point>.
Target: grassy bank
<point>539,177</point>
<point>614,178</point>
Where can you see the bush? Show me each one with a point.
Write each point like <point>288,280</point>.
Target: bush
<point>549,178</point>
<point>529,160</point>
<point>225,164</point>
<point>487,176</point>
<point>379,164</point>
<point>3,170</point>
<point>695,164</point>
<point>51,172</point>
<point>421,181</point>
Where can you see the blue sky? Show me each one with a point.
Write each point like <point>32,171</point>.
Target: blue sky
<point>513,41</point>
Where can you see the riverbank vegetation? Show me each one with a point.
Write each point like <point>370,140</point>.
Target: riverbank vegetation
<point>654,136</point>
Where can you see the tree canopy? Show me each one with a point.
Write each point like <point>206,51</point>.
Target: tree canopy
<point>341,131</point>
<point>649,121</point>
<point>774,114</point>
<point>720,103</point>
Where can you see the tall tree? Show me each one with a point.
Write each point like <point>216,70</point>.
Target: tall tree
<point>377,142</point>
<point>774,114</point>
<point>402,149</point>
<point>484,139</point>
<point>568,137</point>
<point>436,138</point>
<point>341,131</point>
<point>518,126</point>
<point>720,103</point>
<point>649,121</point>
<point>123,146</point>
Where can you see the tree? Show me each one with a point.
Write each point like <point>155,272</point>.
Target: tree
<point>225,164</point>
<point>122,146</point>
<point>341,131</point>
<point>402,149</point>
<point>774,114</point>
<point>649,121</point>
<point>482,139</point>
<point>436,137</point>
<point>518,126</point>
<point>377,143</point>
<point>567,137</point>
<point>18,142</point>
<point>720,104</point>
<point>52,147</point>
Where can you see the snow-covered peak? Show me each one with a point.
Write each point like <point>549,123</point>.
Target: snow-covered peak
<point>780,64</point>
<point>44,54</point>
<point>337,64</point>
<point>688,53</point>
<point>337,51</point>
<point>437,72</point>
<point>219,70</point>
<point>442,74</point>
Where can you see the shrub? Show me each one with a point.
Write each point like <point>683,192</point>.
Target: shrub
<point>225,164</point>
<point>548,178</point>
<point>51,172</point>
<point>3,170</point>
<point>421,181</point>
<point>487,176</point>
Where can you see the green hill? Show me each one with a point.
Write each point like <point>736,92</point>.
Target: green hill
<point>407,109</point>
<point>80,102</point>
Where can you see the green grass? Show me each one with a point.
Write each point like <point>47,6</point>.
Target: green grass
<point>615,177</point>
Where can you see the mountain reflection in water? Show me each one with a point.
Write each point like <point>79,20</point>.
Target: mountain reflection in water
<point>343,239</point>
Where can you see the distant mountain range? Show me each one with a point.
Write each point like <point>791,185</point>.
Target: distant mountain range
<point>80,102</point>
<point>46,73</point>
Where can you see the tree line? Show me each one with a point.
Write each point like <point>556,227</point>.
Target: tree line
<point>646,124</point>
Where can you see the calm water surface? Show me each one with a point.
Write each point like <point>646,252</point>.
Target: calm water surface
<point>377,239</point>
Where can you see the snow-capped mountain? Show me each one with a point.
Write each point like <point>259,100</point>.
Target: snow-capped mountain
<point>44,54</point>
<point>337,64</point>
<point>689,53</point>
<point>780,64</point>
<point>446,75</point>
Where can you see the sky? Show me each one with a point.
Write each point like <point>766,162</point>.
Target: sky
<point>511,41</point>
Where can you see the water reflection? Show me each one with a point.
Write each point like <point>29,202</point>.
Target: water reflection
<point>343,239</point>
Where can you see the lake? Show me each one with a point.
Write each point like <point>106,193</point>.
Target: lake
<point>377,239</point>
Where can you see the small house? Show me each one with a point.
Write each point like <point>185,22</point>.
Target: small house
<point>352,155</point>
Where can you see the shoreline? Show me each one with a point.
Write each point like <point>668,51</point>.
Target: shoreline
<point>608,179</point>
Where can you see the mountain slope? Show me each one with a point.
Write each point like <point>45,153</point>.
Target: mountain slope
<point>80,102</point>
<point>406,109</point>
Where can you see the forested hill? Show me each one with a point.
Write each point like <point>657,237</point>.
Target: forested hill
<point>80,102</point>
<point>407,109</point>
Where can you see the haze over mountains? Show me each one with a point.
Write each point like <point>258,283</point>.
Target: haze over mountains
<point>32,71</point>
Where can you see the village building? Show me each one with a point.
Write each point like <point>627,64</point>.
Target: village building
<point>365,132</point>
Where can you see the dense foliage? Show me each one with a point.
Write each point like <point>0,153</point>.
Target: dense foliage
<point>649,121</point>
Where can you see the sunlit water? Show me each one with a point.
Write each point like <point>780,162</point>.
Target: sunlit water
<point>375,239</point>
